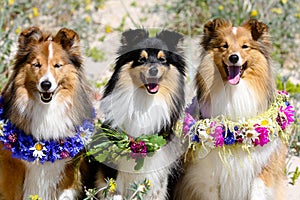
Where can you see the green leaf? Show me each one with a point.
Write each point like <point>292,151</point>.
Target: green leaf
<point>102,157</point>
<point>100,146</point>
<point>139,163</point>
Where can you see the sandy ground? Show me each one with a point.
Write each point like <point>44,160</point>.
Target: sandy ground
<point>97,71</point>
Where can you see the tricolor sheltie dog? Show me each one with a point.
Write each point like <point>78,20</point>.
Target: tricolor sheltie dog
<point>45,99</point>
<point>235,79</point>
<point>145,95</point>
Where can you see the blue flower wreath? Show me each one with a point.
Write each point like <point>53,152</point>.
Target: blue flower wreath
<point>27,148</point>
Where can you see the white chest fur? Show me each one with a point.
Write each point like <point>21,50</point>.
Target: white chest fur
<point>232,177</point>
<point>49,121</point>
<point>234,101</point>
<point>42,179</point>
<point>135,111</point>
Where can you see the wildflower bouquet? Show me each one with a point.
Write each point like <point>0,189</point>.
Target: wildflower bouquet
<point>109,144</point>
<point>139,189</point>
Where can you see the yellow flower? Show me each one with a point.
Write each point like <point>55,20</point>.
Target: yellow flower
<point>283,1</point>
<point>35,197</point>
<point>87,2</point>
<point>276,10</point>
<point>112,185</point>
<point>11,2</point>
<point>221,7</point>
<point>297,15</point>
<point>35,11</point>
<point>18,30</point>
<point>264,122</point>
<point>88,7</point>
<point>102,6</point>
<point>107,28</point>
<point>148,183</point>
<point>254,13</point>
<point>88,19</point>
<point>208,131</point>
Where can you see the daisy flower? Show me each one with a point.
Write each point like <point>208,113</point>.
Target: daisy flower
<point>250,137</point>
<point>38,149</point>
<point>1,127</point>
<point>86,131</point>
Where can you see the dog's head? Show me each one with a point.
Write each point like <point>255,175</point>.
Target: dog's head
<point>236,49</point>
<point>47,65</point>
<point>151,62</point>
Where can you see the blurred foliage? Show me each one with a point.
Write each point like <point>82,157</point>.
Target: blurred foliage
<point>294,175</point>
<point>95,53</point>
<point>287,85</point>
<point>11,17</point>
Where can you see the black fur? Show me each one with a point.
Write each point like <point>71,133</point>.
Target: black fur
<point>134,41</point>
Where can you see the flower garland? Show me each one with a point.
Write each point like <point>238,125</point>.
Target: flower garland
<point>209,134</point>
<point>26,147</point>
<point>109,144</point>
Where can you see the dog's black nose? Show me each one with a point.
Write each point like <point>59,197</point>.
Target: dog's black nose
<point>46,85</point>
<point>234,58</point>
<point>153,71</point>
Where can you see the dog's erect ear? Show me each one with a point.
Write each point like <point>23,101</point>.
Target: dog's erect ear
<point>170,38</point>
<point>211,26</point>
<point>257,28</point>
<point>30,35</point>
<point>210,31</point>
<point>132,37</point>
<point>67,38</point>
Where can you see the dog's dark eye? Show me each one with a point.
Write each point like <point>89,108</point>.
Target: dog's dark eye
<point>36,64</point>
<point>245,46</point>
<point>57,65</point>
<point>225,46</point>
<point>162,60</point>
<point>142,60</point>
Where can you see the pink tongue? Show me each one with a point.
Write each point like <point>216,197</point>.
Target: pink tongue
<point>152,87</point>
<point>234,74</point>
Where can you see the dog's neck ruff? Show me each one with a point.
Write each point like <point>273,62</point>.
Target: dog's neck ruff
<point>26,147</point>
<point>207,134</point>
<point>135,111</point>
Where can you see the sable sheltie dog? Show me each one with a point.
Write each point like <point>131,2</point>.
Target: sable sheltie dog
<point>46,97</point>
<point>145,95</point>
<point>235,79</point>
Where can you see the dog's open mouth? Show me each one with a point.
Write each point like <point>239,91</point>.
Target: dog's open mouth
<point>46,97</point>
<point>234,73</point>
<point>150,83</point>
<point>152,88</point>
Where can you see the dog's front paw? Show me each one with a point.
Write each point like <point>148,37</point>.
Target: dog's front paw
<point>69,194</point>
<point>117,197</point>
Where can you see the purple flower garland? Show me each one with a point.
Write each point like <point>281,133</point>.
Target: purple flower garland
<point>220,132</point>
<point>26,147</point>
